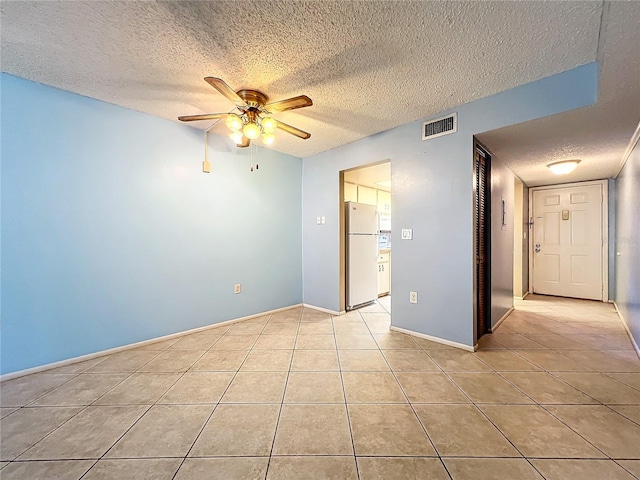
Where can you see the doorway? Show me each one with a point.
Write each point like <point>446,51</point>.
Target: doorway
<point>368,185</point>
<point>482,239</point>
<point>568,254</point>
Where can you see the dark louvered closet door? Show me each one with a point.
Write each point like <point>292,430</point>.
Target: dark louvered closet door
<point>482,246</point>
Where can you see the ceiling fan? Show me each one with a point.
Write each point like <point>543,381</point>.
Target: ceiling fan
<point>251,121</point>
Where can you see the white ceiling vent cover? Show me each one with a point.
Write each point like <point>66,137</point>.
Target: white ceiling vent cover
<point>440,126</point>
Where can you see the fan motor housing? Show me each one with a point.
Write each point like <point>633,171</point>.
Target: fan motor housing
<point>253,97</point>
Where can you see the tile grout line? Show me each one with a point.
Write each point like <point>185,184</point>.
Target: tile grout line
<point>84,408</point>
<point>499,373</point>
<point>617,462</point>
<point>446,374</point>
<point>284,392</point>
<point>127,430</point>
<point>222,395</point>
<point>180,375</point>
<point>407,398</point>
<point>543,406</point>
<point>535,403</point>
<point>344,393</point>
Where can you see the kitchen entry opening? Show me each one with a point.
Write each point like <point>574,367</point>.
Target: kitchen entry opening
<point>365,235</point>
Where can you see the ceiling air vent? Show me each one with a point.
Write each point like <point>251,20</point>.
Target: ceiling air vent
<point>440,126</point>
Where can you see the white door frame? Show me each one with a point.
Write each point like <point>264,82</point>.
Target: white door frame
<point>604,229</point>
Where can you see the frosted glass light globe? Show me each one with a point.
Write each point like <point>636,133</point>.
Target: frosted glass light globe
<point>268,138</point>
<point>234,122</point>
<point>236,137</point>
<point>251,131</point>
<point>269,125</point>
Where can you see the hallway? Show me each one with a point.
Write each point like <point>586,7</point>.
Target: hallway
<point>553,394</point>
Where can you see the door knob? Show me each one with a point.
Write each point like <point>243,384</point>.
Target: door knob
<point>537,249</point>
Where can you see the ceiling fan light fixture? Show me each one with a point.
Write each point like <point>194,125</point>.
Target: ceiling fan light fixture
<point>563,167</point>
<point>234,122</point>
<point>249,124</point>
<point>269,125</point>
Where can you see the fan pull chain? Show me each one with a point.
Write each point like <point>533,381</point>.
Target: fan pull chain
<point>251,147</point>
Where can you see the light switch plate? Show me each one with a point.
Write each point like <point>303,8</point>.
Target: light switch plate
<point>318,220</point>
<point>407,233</point>
<point>322,220</point>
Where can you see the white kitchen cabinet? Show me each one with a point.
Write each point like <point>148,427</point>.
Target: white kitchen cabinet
<point>350,192</point>
<point>384,273</point>
<point>384,202</point>
<point>368,196</point>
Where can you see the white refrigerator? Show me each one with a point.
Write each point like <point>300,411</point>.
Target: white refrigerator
<point>362,254</point>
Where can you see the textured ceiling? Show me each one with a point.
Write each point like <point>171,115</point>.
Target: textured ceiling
<point>597,135</point>
<point>367,65</point>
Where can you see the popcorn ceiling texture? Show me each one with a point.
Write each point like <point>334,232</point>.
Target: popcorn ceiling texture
<point>368,66</point>
<point>597,135</point>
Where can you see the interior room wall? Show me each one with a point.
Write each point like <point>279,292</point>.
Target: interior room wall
<point>111,233</point>
<point>432,194</point>
<point>502,247</point>
<point>627,242</point>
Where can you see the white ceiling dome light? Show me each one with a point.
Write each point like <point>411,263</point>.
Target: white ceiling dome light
<point>563,167</point>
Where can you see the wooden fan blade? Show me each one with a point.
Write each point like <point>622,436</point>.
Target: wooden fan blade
<point>293,130</point>
<point>290,104</point>
<point>245,142</point>
<point>224,89</point>
<point>206,116</point>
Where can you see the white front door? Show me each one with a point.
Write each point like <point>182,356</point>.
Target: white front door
<point>567,241</point>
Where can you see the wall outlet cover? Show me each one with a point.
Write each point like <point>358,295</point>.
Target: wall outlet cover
<point>407,233</point>
<point>413,297</point>
<point>237,288</point>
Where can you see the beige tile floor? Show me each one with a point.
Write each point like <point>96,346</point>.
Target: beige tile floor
<point>553,394</point>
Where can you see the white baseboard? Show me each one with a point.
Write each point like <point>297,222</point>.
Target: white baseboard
<point>449,343</point>
<point>110,351</point>
<point>526,294</point>
<point>626,327</point>
<point>325,310</point>
<point>502,319</point>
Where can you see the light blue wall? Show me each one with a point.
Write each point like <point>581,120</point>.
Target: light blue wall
<point>502,187</point>
<point>628,243</point>
<point>111,234</point>
<point>432,193</point>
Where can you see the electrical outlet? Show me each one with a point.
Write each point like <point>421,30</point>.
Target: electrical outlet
<point>322,220</point>
<point>413,297</point>
<point>318,220</point>
<point>407,233</point>
<point>237,288</point>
